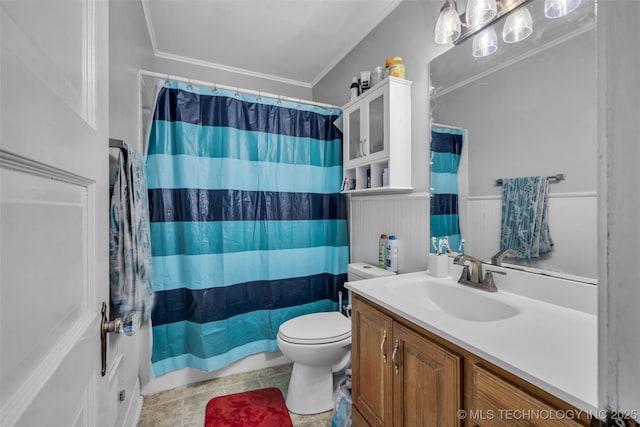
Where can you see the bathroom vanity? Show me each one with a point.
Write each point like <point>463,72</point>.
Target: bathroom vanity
<point>431,352</point>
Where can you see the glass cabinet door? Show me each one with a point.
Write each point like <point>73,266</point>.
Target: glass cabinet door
<point>355,149</point>
<point>376,124</point>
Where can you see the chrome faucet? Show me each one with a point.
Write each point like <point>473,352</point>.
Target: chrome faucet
<point>497,258</point>
<point>472,274</point>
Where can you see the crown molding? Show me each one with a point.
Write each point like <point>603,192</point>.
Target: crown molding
<point>230,69</point>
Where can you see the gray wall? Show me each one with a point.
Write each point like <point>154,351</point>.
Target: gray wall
<point>129,50</point>
<point>534,117</point>
<point>406,32</point>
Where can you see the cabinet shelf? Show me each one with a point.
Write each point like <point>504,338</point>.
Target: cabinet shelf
<point>378,190</point>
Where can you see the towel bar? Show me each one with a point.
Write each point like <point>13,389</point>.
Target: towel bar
<point>553,178</point>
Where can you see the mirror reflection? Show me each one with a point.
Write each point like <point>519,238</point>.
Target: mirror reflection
<point>528,110</point>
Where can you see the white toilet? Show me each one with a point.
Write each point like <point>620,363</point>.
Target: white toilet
<point>319,344</point>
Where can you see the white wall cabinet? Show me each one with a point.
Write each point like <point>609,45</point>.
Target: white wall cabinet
<point>377,136</point>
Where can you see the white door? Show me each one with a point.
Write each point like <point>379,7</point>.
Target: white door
<point>54,209</point>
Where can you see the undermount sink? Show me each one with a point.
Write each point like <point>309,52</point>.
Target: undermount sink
<point>458,301</point>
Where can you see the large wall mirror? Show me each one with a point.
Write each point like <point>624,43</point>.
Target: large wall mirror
<point>530,109</point>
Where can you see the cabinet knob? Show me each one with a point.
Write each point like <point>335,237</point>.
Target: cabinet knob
<point>384,339</point>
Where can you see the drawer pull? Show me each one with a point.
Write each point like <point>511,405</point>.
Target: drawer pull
<point>384,339</point>
<point>394,358</point>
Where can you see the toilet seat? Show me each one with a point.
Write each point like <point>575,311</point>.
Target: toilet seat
<point>316,328</point>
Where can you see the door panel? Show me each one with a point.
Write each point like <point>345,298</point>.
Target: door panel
<point>371,342</point>
<point>44,237</point>
<point>53,211</point>
<point>427,383</point>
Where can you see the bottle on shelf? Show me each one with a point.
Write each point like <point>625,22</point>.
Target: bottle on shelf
<point>382,249</point>
<point>355,88</point>
<point>392,253</point>
<point>397,68</point>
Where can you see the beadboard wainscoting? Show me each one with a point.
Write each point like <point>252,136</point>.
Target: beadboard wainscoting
<point>404,215</point>
<point>572,225</point>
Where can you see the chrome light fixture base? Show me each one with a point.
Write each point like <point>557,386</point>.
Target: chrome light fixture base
<point>504,7</point>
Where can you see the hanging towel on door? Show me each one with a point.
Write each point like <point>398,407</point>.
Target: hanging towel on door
<point>525,212</point>
<point>129,238</point>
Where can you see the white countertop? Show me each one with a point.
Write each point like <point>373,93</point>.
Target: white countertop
<point>549,345</point>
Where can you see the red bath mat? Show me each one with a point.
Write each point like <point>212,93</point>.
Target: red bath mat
<point>256,408</point>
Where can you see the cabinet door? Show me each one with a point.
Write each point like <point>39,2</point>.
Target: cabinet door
<point>376,125</point>
<point>371,364</point>
<point>496,402</point>
<point>426,381</point>
<point>353,138</point>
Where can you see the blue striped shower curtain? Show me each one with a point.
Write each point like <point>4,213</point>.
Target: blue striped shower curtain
<point>446,147</point>
<point>248,227</point>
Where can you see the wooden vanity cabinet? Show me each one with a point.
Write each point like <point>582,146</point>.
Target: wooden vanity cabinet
<point>404,375</point>
<point>400,378</point>
<point>496,402</point>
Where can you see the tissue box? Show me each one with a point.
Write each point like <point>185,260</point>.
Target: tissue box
<point>438,265</point>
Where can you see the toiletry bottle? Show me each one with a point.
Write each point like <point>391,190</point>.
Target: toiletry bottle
<point>365,78</point>
<point>397,68</point>
<point>387,68</point>
<point>392,253</point>
<point>355,88</point>
<point>382,247</point>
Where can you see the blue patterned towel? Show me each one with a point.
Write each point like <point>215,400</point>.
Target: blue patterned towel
<point>129,238</point>
<point>525,227</point>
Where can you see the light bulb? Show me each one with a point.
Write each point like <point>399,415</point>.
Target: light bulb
<point>485,43</point>
<point>559,8</point>
<point>518,26</point>
<point>448,25</point>
<point>479,12</point>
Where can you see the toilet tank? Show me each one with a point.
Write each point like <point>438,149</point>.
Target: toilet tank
<point>362,270</point>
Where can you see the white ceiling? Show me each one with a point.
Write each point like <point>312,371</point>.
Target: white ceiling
<point>294,41</point>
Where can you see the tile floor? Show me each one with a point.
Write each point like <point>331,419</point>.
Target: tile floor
<point>185,406</point>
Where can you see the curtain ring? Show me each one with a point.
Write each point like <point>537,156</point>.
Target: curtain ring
<point>189,84</point>
<point>259,98</point>
<point>279,100</point>
<point>215,89</point>
<point>237,95</point>
<point>299,104</point>
<point>167,82</point>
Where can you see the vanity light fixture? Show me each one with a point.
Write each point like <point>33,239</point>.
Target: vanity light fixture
<point>479,12</point>
<point>485,43</point>
<point>518,25</point>
<point>558,8</point>
<point>448,25</point>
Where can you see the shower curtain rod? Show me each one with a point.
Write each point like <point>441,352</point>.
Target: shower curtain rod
<point>235,89</point>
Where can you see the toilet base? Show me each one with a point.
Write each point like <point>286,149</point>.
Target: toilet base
<point>310,389</point>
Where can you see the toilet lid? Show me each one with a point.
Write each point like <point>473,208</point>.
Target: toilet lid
<point>316,328</point>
